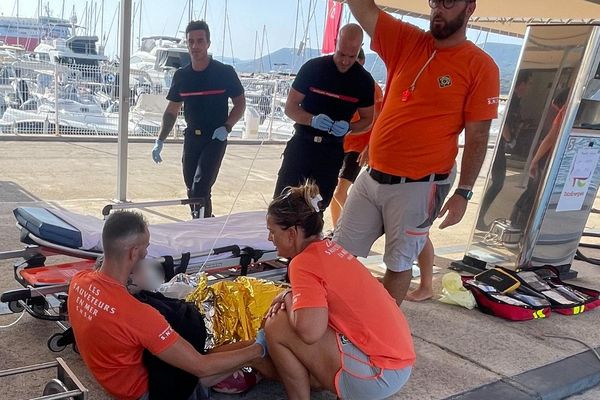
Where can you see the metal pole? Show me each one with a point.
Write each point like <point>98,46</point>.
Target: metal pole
<point>56,130</point>
<point>124,60</point>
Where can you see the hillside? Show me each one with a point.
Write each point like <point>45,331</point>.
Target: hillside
<point>287,60</point>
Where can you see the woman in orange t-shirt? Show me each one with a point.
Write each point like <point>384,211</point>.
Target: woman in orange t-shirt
<point>337,328</point>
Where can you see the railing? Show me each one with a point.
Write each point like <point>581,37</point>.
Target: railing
<point>40,98</point>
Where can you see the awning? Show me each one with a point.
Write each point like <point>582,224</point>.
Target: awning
<point>510,17</point>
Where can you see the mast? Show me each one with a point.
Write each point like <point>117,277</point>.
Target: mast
<point>18,30</point>
<point>140,27</point>
<point>224,30</point>
<point>101,23</point>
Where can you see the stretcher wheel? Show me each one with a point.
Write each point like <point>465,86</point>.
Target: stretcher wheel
<point>55,386</point>
<point>15,307</point>
<point>56,343</point>
<point>40,308</point>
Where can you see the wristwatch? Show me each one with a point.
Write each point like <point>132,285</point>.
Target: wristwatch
<point>228,128</point>
<point>466,193</point>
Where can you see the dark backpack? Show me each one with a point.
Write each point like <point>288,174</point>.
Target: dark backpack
<point>164,380</point>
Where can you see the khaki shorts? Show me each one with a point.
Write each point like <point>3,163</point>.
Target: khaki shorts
<point>404,212</point>
<point>358,379</point>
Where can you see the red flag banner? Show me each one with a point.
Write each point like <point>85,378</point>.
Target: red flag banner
<point>332,25</point>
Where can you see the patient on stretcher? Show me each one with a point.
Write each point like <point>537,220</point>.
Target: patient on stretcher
<point>113,328</point>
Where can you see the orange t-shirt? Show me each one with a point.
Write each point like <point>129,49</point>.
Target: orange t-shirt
<point>358,143</point>
<point>359,307</point>
<point>112,329</point>
<point>418,137</point>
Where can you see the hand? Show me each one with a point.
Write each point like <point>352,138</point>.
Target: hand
<point>321,122</point>
<point>455,207</point>
<point>278,304</point>
<point>339,128</point>
<point>533,170</point>
<point>158,145</point>
<point>220,133</point>
<point>363,157</point>
<point>262,340</point>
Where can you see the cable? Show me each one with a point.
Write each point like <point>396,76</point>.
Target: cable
<point>212,247</point>
<point>576,340</point>
<point>14,322</point>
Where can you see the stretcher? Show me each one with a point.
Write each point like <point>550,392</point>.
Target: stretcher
<point>65,386</point>
<point>222,247</point>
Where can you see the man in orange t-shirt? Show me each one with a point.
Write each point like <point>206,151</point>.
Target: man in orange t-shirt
<point>438,83</point>
<point>112,328</point>
<point>355,154</point>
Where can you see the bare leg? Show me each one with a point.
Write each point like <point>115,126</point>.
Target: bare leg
<point>425,289</point>
<point>339,199</point>
<point>301,365</point>
<point>397,283</point>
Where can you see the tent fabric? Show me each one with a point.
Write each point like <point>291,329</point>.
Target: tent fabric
<point>510,17</point>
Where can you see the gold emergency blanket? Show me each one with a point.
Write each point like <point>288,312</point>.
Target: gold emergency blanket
<point>234,310</point>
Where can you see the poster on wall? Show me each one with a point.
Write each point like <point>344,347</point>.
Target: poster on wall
<point>578,181</point>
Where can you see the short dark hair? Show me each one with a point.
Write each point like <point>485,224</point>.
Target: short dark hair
<point>118,226</point>
<point>294,208</point>
<point>198,26</point>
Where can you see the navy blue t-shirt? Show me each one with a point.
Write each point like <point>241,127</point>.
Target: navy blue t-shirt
<point>205,94</point>
<point>328,91</point>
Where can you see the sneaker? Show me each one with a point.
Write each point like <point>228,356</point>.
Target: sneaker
<point>239,382</point>
<point>195,214</point>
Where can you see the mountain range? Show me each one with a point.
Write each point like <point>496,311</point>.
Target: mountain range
<point>288,60</point>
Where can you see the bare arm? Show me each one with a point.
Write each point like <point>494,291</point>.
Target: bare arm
<point>476,138</point>
<point>545,147</point>
<point>366,13</point>
<point>309,323</point>
<point>183,356</point>
<point>169,119</point>
<point>239,106</point>
<point>366,115</point>
<point>294,110</point>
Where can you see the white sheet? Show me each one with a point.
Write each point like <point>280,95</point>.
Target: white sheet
<point>246,229</point>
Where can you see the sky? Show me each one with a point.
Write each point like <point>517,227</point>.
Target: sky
<point>282,20</point>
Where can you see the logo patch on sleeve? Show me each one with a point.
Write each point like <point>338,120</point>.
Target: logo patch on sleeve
<point>444,81</point>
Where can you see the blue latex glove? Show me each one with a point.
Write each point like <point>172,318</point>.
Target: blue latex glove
<point>220,133</point>
<point>339,128</point>
<point>321,122</point>
<point>158,145</point>
<point>262,340</point>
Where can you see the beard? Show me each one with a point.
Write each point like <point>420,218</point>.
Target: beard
<point>448,28</point>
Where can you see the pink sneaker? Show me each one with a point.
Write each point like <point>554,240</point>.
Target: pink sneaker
<point>239,382</point>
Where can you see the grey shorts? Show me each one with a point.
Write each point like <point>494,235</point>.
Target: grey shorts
<point>358,379</point>
<point>403,211</point>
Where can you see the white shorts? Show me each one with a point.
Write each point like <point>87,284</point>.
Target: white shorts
<point>403,211</point>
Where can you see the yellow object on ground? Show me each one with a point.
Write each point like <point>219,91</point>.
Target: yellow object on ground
<point>453,291</point>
